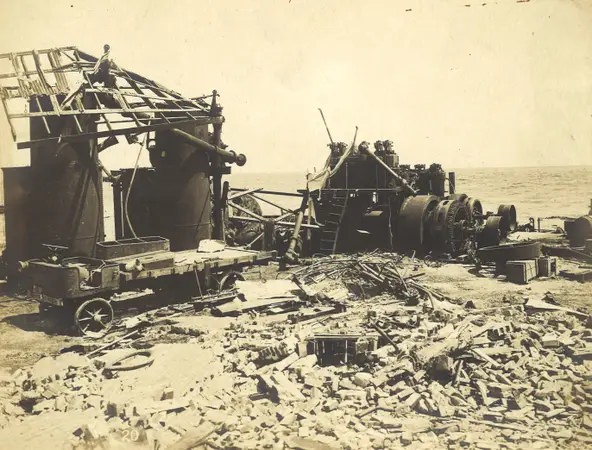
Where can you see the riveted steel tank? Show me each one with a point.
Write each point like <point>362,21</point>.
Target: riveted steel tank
<point>17,194</point>
<point>65,204</point>
<point>183,186</point>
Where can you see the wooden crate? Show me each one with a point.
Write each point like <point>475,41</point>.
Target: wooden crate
<point>547,266</point>
<point>521,272</point>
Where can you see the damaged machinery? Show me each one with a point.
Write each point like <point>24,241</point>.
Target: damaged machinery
<point>365,200</point>
<point>166,216</point>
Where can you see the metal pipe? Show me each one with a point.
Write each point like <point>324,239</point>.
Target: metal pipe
<point>397,177</point>
<point>228,156</point>
<point>217,166</point>
<point>326,127</point>
<point>281,222</point>
<point>263,191</point>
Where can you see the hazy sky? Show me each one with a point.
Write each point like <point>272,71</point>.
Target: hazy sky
<point>501,84</point>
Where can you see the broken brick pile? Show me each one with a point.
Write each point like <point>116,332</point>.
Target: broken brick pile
<point>391,370</point>
<point>505,378</point>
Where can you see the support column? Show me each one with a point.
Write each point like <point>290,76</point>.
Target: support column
<point>451,183</point>
<point>217,166</point>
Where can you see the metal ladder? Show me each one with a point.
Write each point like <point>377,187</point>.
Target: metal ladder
<point>330,233</point>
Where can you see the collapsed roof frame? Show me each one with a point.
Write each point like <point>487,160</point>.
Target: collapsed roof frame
<point>142,104</point>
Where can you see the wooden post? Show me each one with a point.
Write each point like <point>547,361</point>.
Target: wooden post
<point>291,254</point>
<point>268,235</point>
<point>451,183</point>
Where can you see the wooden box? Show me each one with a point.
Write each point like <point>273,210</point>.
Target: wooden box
<point>521,272</point>
<point>547,266</point>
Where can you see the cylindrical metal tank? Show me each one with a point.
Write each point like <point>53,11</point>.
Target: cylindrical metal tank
<point>182,180</point>
<point>66,199</point>
<point>17,194</point>
<point>580,231</point>
<point>437,180</point>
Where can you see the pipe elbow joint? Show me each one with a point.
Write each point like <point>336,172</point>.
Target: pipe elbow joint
<point>241,159</point>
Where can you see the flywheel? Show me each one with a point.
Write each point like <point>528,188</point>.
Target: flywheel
<point>412,225</point>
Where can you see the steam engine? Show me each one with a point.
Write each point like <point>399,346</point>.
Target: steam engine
<point>370,201</point>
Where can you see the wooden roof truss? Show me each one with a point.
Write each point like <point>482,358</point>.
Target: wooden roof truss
<point>135,104</point>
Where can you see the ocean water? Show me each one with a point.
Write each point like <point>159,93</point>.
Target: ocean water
<point>537,192</point>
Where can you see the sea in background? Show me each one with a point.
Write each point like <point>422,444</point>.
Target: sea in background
<point>537,192</point>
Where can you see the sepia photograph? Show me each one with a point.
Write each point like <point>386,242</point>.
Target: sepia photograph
<point>295,224</point>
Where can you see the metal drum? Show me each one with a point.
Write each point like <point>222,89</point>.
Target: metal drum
<point>17,193</point>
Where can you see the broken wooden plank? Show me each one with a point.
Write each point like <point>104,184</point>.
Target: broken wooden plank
<point>237,306</point>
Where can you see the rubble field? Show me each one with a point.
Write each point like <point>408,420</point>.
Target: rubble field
<point>359,351</point>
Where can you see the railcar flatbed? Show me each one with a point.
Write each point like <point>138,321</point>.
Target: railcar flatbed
<point>85,287</point>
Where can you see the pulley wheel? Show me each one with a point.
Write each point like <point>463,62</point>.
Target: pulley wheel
<point>448,227</point>
<point>412,222</point>
<point>475,210</point>
<point>508,213</point>
<point>491,233</point>
<point>93,317</point>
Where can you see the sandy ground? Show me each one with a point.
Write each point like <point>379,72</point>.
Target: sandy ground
<point>180,360</point>
<point>24,335</point>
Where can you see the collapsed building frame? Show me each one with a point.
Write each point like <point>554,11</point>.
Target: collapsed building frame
<point>76,106</point>
<point>54,208</point>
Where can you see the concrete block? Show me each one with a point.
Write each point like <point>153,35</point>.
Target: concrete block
<point>550,340</point>
<point>406,438</point>
<point>413,400</point>
<point>113,409</point>
<point>331,405</point>
<point>167,394</point>
<point>362,379</point>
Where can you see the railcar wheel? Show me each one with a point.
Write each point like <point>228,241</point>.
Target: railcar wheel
<point>93,317</point>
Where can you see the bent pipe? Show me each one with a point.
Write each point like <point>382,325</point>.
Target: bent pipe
<point>228,156</point>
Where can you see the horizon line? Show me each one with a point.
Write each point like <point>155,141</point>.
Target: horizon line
<point>455,168</point>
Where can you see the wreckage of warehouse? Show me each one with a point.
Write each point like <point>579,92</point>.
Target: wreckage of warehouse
<point>389,309</point>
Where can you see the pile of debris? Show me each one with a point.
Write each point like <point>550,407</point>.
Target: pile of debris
<point>371,359</point>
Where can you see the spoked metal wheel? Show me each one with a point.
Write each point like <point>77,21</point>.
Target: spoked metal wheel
<point>93,317</point>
